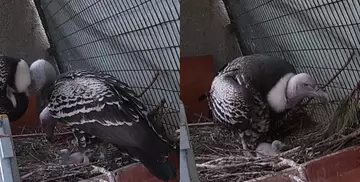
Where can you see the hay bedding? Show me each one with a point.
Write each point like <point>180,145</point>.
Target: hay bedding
<point>219,156</point>
<point>38,160</point>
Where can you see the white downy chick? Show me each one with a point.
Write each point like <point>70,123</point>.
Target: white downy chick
<point>267,149</point>
<point>74,158</point>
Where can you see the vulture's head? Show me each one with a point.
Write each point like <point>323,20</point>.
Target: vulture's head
<point>48,124</point>
<point>291,89</point>
<point>277,145</point>
<point>301,86</point>
<point>42,74</point>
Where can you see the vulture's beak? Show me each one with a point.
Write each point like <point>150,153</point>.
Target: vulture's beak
<point>49,130</point>
<point>319,93</point>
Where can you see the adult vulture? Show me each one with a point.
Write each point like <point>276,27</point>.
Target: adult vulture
<point>100,105</point>
<point>15,84</point>
<point>249,88</point>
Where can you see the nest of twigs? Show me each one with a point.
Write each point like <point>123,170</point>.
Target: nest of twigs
<point>39,160</point>
<point>219,156</point>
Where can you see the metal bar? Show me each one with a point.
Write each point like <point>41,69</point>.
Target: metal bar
<point>188,170</point>
<point>8,164</point>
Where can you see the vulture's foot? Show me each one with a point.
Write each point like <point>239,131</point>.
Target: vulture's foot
<point>103,151</point>
<point>101,157</point>
<point>246,151</point>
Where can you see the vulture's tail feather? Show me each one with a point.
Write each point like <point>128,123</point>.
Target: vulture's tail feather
<point>158,166</point>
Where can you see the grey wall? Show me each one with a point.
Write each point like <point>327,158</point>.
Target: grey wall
<point>21,31</point>
<point>204,31</point>
<point>22,34</point>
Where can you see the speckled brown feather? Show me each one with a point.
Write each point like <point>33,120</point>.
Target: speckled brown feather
<point>238,94</point>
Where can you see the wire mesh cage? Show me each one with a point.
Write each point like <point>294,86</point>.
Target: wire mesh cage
<point>319,37</point>
<point>136,41</point>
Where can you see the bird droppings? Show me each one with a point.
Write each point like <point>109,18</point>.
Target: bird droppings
<point>219,157</point>
<point>39,160</point>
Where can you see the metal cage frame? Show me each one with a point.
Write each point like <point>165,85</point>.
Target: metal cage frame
<point>134,41</point>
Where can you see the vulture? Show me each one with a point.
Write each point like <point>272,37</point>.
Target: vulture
<point>99,105</point>
<point>267,149</point>
<point>15,81</point>
<point>250,88</point>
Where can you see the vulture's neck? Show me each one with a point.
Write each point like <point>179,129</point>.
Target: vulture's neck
<point>277,97</point>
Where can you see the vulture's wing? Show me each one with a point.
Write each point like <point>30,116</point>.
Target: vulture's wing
<point>101,105</point>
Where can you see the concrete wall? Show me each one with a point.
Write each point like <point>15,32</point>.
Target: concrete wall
<point>22,35</point>
<point>21,31</point>
<point>204,31</point>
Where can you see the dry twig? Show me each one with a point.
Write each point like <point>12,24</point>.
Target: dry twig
<point>40,135</point>
<point>201,124</point>
<point>105,172</point>
<point>39,160</point>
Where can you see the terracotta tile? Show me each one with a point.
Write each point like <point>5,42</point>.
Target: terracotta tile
<point>279,177</point>
<point>30,119</point>
<point>342,166</point>
<point>139,173</point>
<point>196,75</point>
<point>334,165</point>
<point>350,176</point>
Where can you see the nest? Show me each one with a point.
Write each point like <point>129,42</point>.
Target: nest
<point>219,156</point>
<point>39,160</point>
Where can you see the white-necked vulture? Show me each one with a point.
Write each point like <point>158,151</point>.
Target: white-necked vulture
<point>249,88</point>
<point>15,81</point>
